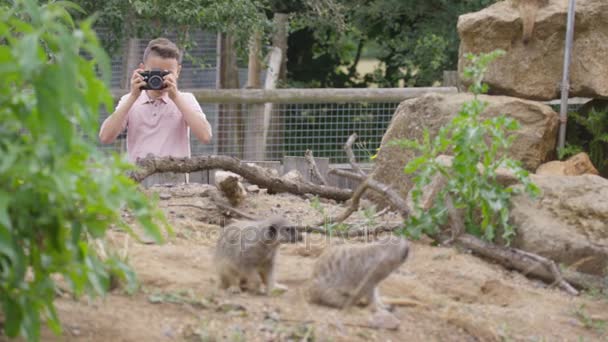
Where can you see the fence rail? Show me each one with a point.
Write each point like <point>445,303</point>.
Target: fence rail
<point>325,95</point>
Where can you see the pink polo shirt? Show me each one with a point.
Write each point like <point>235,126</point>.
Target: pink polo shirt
<point>158,127</point>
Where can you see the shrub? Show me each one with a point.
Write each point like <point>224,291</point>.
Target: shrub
<point>473,142</point>
<point>57,191</point>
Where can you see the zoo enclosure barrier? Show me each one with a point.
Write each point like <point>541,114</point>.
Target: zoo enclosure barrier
<point>267,125</point>
<point>274,125</point>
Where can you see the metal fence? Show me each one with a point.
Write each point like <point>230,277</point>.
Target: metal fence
<point>294,128</point>
<point>320,124</point>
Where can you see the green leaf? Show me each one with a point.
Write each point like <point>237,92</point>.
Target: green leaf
<point>415,164</point>
<point>13,316</point>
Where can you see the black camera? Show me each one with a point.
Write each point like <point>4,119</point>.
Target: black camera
<point>154,79</point>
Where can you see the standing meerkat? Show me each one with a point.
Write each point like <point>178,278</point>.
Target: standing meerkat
<point>527,11</point>
<point>346,275</point>
<point>246,251</point>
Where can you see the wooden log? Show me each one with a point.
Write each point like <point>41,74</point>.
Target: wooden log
<point>253,173</point>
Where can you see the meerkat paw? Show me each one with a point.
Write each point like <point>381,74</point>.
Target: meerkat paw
<point>276,289</point>
<point>376,302</point>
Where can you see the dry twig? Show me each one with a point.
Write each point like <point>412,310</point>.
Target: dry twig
<point>348,148</point>
<point>313,166</point>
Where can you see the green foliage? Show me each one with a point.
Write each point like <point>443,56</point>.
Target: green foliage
<point>598,325</point>
<point>415,40</point>
<point>57,190</point>
<point>588,133</point>
<point>479,149</point>
<point>121,19</point>
<point>568,151</point>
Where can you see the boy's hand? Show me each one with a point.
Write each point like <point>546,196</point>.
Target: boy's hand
<point>137,81</point>
<point>171,86</point>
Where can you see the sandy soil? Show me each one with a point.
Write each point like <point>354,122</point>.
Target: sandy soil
<point>448,295</point>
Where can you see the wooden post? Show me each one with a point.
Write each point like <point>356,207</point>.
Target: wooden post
<point>254,66</point>
<point>279,40</point>
<point>131,61</point>
<point>272,77</point>
<point>253,148</point>
<point>231,126</point>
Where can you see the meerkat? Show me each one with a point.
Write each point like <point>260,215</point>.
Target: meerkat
<point>527,11</point>
<point>246,252</point>
<point>346,275</point>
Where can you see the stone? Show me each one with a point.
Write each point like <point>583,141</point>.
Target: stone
<point>231,187</point>
<point>576,165</point>
<point>535,142</point>
<point>253,189</point>
<point>534,70</point>
<point>567,223</point>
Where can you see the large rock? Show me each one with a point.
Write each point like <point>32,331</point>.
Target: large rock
<point>534,70</point>
<point>576,165</point>
<point>568,223</point>
<point>534,144</point>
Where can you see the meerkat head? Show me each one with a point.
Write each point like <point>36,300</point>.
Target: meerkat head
<point>396,248</point>
<point>276,229</point>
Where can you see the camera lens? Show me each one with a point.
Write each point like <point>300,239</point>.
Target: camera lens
<point>155,82</point>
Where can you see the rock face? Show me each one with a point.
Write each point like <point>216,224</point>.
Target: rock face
<point>576,165</point>
<point>534,70</point>
<point>568,223</point>
<point>535,142</point>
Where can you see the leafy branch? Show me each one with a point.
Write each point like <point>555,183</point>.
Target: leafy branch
<point>479,148</point>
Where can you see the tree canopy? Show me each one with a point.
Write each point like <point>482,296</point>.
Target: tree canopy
<point>415,40</point>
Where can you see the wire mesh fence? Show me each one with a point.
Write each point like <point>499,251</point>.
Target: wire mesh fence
<point>291,129</point>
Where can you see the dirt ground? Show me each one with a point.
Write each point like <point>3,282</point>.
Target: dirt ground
<point>449,295</point>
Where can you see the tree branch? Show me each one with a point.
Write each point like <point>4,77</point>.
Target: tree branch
<point>253,173</point>
<point>313,166</point>
<point>348,148</point>
<point>393,197</point>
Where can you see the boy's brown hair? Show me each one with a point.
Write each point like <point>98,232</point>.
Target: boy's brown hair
<point>163,48</point>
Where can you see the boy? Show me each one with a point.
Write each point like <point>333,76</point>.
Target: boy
<point>159,121</point>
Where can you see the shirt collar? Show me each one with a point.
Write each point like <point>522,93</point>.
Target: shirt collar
<point>146,98</point>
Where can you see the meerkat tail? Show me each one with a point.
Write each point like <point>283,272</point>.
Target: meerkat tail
<point>528,11</point>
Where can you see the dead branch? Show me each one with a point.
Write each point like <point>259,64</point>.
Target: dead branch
<point>354,206</point>
<point>402,302</point>
<point>221,206</point>
<point>456,220</point>
<point>393,197</point>
<point>313,166</point>
<point>253,173</point>
<point>525,262</point>
<point>552,267</point>
<point>348,148</point>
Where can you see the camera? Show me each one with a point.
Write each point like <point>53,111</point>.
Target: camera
<point>154,79</point>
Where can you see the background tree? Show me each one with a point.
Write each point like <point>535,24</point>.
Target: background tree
<point>415,40</point>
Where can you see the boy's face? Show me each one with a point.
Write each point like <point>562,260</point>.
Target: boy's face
<point>157,62</point>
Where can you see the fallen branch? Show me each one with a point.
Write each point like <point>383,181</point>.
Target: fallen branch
<point>525,262</point>
<point>221,206</point>
<point>253,173</point>
<point>393,197</point>
<point>348,148</point>
<point>313,166</point>
<point>354,206</point>
<point>401,302</point>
